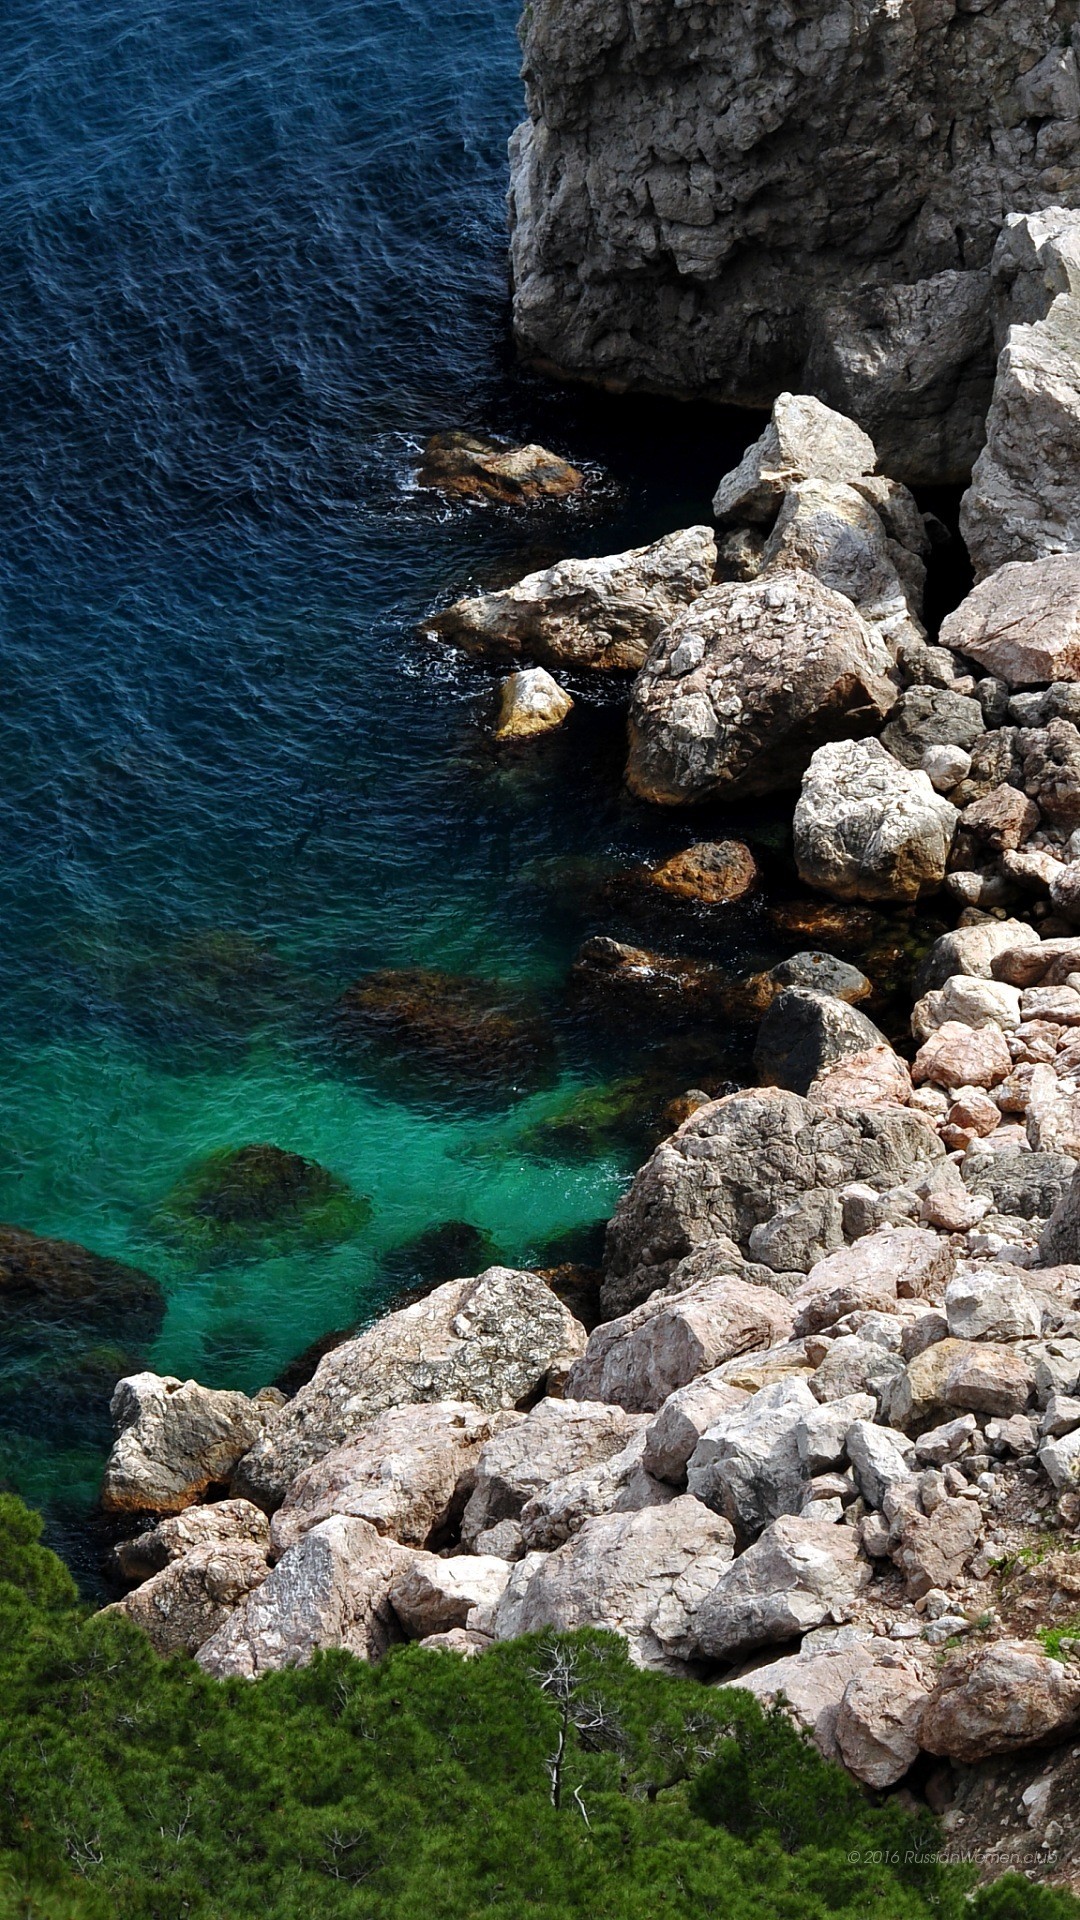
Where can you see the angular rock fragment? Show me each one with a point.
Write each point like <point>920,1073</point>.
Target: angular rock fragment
<point>799,1575</point>
<point>933,1550</point>
<point>686,1414</point>
<point>182,1605</point>
<point>831,531</point>
<point>329,1590</point>
<point>806,1031</point>
<point>749,1465</point>
<point>877,1724</point>
<point>405,1471</point>
<point>638,1360</point>
<point>644,1575</point>
<point>226,1522</point>
<point>737,1163</point>
<point>176,1439</point>
<point>999,1700</point>
<point>984,1304</point>
<point>432,1595</point>
<point>803,440</point>
<point>555,1440</point>
<point>1022,623</point>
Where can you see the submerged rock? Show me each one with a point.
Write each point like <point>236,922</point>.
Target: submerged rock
<point>241,1195</point>
<point>596,614</point>
<point>477,1031</point>
<point>831,922</point>
<point>739,690</point>
<point>443,1252</point>
<point>608,969</point>
<point>530,703</point>
<point>57,1280</point>
<point>469,467</point>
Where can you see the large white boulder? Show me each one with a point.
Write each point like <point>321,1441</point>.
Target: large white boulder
<point>867,828</point>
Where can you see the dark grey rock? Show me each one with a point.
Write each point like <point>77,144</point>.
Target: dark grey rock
<point>805,1031</point>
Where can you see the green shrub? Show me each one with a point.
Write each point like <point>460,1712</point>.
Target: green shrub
<point>548,1778</point>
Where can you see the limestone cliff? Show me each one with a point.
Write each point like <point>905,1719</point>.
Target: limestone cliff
<point>725,201</point>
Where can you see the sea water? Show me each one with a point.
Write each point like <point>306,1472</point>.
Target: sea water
<point>251,255</point>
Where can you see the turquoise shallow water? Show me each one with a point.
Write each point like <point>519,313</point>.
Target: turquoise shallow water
<point>249,258</point>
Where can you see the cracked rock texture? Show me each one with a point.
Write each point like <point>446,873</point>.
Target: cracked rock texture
<point>725,204</point>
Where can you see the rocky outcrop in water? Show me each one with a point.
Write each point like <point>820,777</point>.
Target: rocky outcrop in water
<point>725,206</point>
<point>468,467</point>
<point>598,614</point>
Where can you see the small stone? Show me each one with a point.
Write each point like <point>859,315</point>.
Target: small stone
<point>1003,819</point>
<point>1060,1460</point>
<point>972,950</point>
<point>1061,1416</point>
<point>1013,1436</point>
<point>1060,1005</point>
<point>952,1210</point>
<point>1030,867</point>
<point>958,1056</point>
<point>530,702</point>
<point>974,1110</point>
<point>946,767</point>
<point>1065,890</point>
<point>433,1595</point>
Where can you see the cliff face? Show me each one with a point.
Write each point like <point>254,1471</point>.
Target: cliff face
<point>725,201</point>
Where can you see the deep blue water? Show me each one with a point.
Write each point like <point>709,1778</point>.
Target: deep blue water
<point>250,257</point>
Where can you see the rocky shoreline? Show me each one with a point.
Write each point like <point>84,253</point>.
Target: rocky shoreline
<point>822,1437</point>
